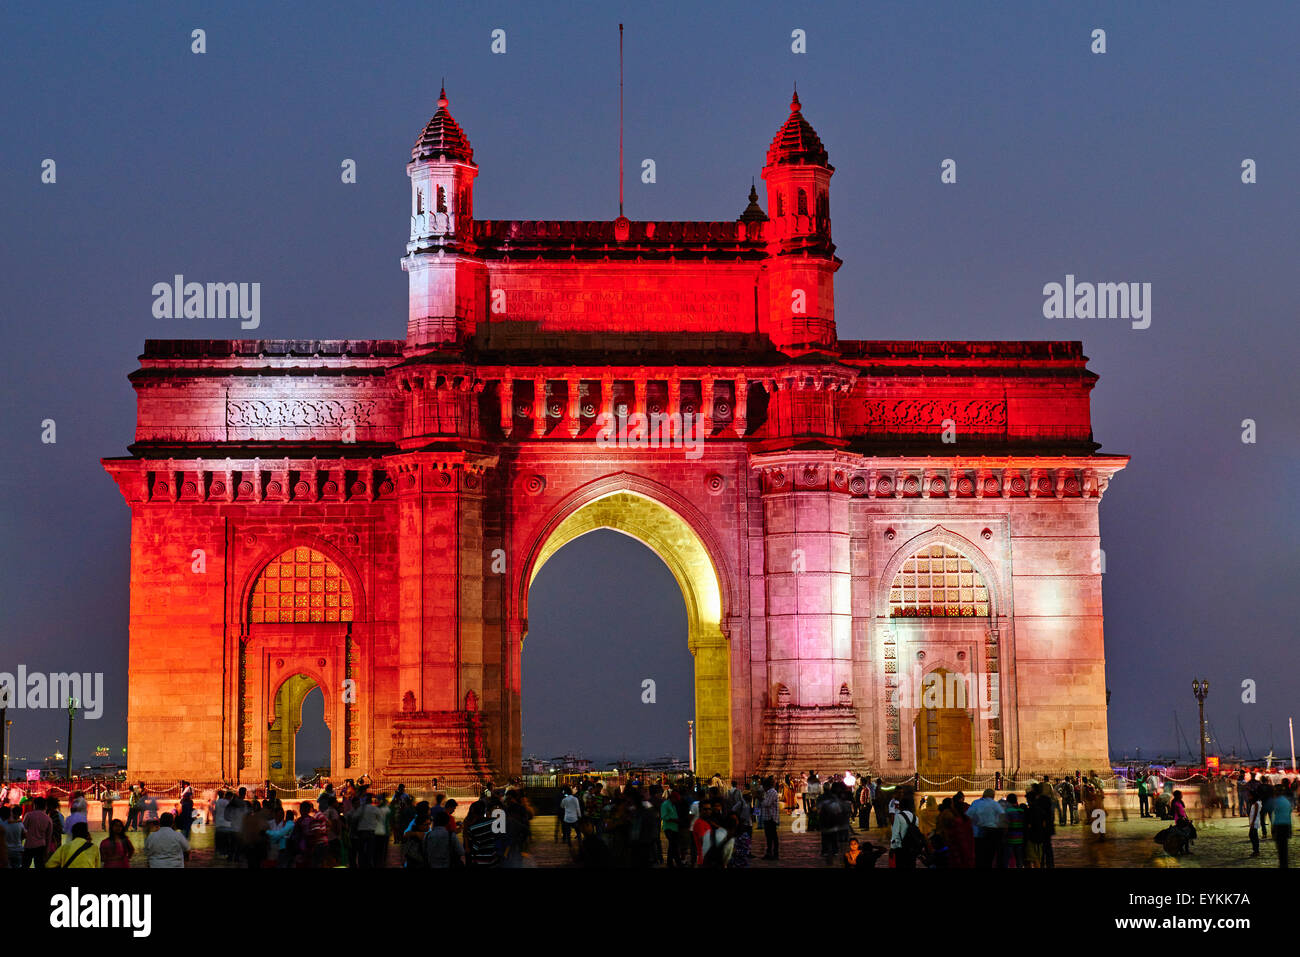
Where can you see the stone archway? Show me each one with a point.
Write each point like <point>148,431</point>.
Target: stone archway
<point>286,722</point>
<point>300,606</point>
<point>666,533</point>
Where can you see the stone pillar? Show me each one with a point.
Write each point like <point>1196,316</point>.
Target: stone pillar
<point>639,402</point>
<point>706,403</point>
<point>539,406</point>
<point>573,420</point>
<point>507,405</point>
<point>809,615</point>
<point>740,415</point>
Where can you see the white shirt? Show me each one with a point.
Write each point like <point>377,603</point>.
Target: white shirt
<point>572,809</point>
<point>219,814</point>
<point>901,827</point>
<point>166,847</point>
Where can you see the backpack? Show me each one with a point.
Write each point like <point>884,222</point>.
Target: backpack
<point>913,842</point>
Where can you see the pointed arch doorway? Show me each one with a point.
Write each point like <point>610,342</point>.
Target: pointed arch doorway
<point>671,537</point>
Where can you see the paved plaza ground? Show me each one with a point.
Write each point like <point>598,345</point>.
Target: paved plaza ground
<point>1223,843</point>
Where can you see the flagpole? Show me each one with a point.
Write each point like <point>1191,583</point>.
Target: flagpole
<point>620,120</point>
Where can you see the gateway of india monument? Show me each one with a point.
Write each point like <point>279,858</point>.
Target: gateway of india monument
<point>888,549</point>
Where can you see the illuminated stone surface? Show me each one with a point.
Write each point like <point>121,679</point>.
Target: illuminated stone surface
<point>433,475</point>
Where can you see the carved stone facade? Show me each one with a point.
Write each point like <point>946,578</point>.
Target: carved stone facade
<point>853,524</point>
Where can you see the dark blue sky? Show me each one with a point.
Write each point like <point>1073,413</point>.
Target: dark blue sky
<point>1115,167</point>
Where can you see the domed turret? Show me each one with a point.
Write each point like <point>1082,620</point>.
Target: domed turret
<point>796,142</point>
<point>442,137</point>
<point>801,288</point>
<point>440,256</point>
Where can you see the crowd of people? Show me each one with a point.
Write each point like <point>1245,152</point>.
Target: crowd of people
<point>690,822</point>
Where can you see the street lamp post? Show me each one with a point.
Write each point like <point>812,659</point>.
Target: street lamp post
<point>73,704</point>
<point>4,731</point>
<point>1201,689</point>
<point>690,745</point>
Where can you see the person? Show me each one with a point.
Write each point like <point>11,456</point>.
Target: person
<point>253,838</point>
<point>1047,814</point>
<point>862,801</point>
<point>989,820</point>
<point>78,809</point>
<point>1069,799</point>
<point>718,843</point>
<point>224,836</point>
<point>56,821</point>
<point>413,841</point>
<point>133,809</point>
<point>165,847</point>
<point>833,817</point>
<point>106,799</point>
<point>116,850</point>
<point>929,815</point>
<point>592,851</point>
<point>1183,827</point>
<point>771,818</point>
<point>40,833</point>
<point>906,842</point>
<point>236,809</point>
<point>1280,811</point>
<point>1014,847</point>
<point>148,806</point>
<point>379,854</point>
<point>185,815</point>
<point>15,832</point>
<point>481,837</point>
<point>365,819</point>
<point>1144,793</point>
<point>79,852</point>
<point>699,829</point>
<point>280,837</point>
<point>1253,815</point>
<point>441,845</point>
<point>519,829</point>
<point>570,811</point>
<point>327,807</point>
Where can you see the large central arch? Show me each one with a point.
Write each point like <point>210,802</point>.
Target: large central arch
<point>669,535</point>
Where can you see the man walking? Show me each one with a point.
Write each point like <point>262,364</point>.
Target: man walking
<point>1281,813</point>
<point>1253,814</point>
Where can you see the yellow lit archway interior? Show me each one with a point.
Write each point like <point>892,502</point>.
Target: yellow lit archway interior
<point>665,533</point>
<point>283,733</point>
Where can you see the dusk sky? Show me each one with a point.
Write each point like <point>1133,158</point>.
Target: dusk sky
<point>1117,167</point>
